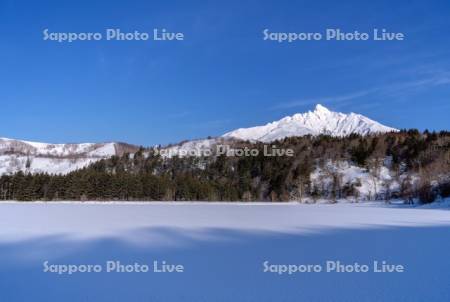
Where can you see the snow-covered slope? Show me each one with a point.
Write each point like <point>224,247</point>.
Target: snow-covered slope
<point>18,155</point>
<point>198,147</point>
<point>58,150</point>
<point>319,121</point>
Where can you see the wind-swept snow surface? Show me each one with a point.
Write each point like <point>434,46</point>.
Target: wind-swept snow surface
<point>22,220</point>
<point>223,249</point>
<point>319,121</point>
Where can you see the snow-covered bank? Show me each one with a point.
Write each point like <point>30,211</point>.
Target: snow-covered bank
<point>438,204</point>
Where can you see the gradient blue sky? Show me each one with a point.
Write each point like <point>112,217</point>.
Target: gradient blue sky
<point>223,76</point>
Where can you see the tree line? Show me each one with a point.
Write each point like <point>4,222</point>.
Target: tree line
<point>144,175</point>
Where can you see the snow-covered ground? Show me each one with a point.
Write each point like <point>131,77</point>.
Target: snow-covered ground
<point>223,248</point>
<point>91,220</point>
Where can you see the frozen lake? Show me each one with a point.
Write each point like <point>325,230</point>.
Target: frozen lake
<point>223,248</point>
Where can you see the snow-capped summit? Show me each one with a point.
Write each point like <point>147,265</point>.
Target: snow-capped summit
<point>319,121</point>
<point>320,108</point>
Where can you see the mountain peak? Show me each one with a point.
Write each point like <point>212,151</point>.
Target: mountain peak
<point>320,108</point>
<point>321,121</point>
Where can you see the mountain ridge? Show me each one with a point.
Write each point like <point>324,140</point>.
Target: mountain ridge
<point>36,157</point>
<point>319,121</point>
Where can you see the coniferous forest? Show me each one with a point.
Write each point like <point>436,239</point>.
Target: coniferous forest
<point>418,166</point>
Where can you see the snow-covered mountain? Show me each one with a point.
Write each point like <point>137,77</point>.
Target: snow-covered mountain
<point>18,155</point>
<point>319,121</point>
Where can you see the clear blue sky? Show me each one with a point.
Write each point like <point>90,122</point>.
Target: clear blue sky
<point>223,75</point>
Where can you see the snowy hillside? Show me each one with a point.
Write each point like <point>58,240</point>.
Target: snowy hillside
<point>34,157</point>
<point>319,121</point>
<point>198,147</point>
<point>189,148</point>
